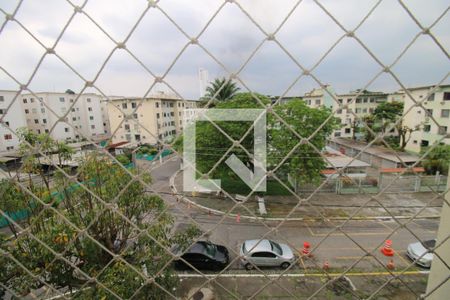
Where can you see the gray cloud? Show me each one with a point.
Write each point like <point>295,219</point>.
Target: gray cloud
<point>231,38</point>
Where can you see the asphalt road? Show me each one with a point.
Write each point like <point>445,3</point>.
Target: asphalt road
<point>340,243</point>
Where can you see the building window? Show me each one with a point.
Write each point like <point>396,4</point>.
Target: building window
<point>44,121</point>
<point>36,121</point>
<point>2,99</point>
<point>364,110</point>
<point>133,104</point>
<point>172,114</point>
<point>424,143</point>
<point>358,110</point>
<point>88,99</point>
<point>31,100</point>
<point>446,96</point>
<point>46,131</point>
<point>124,106</point>
<point>92,126</point>
<point>442,130</point>
<point>337,133</point>
<point>7,123</point>
<point>8,136</point>
<point>358,100</point>
<point>157,104</point>
<point>71,100</point>
<point>365,100</point>
<point>91,118</point>
<point>27,111</point>
<point>415,142</point>
<point>135,116</point>
<point>9,148</point>
<point>127,127</point>
<point>61,99</point>
<point>445,113</point>
<point>339,111</point>
<point>43,110</point>
<point>25,100</point>
<point>39,131</point>
<point>431,97</point>
<point>157,115</point>
<point>318,102</point>
<point>89,108</point>
<point>74,119</point>
<point>348,130</point>
<point>73,109</point>
<point>426,128</point>
<point>372,100</point>
<point>1,112</point>
<point>66,129</point>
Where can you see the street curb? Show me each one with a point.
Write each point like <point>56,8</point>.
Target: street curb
<point>230,215</point>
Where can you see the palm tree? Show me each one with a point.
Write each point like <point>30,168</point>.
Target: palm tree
<point>221,89</point>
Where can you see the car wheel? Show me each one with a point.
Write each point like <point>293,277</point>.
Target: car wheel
<point>249,267</point>
<point>285,265</point>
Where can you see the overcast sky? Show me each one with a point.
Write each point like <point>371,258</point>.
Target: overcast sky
<point>231,37</point>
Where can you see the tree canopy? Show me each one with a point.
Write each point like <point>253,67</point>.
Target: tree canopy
<point>108,214</point>
<point>221,89</point>
<point>438,159</point>
<point>304,163</point>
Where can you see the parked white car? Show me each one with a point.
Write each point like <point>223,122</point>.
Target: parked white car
<point>421,252</point>
<point>266,253</point>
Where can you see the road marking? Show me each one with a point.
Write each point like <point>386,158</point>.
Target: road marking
<point>243,275</point>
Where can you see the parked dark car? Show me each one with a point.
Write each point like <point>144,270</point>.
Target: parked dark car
<point>203,255</point>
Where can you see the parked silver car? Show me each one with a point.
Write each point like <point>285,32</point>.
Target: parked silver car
<point>265,253</point>
<point>416,250</point>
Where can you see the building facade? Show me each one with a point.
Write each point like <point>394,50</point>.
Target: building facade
<point>361,104</point>
<point>11,119</point>
<point>69,117</point>
<point>145,121</point>
<point>432,124</point>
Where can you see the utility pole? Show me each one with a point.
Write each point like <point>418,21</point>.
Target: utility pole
<point>439,279</point>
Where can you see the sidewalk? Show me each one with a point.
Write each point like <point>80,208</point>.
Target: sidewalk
<point>303,287</point>
<point>329,205</point>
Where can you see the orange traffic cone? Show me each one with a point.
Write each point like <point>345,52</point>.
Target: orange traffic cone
<point>326,265</point>
<point>305,250</point>
<point>387,249</point>
<point>390,265</point>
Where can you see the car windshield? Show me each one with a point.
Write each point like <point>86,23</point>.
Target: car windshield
<point>210,249</point>
<point>429,244</point>
<point>276,248</point>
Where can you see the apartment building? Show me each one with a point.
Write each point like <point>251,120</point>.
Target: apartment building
<point>320,97</point>
<point>69,117</point>
<point>361,104</point>
<point>11,119</point>
<point>144,121</point>
<point>433,123</point>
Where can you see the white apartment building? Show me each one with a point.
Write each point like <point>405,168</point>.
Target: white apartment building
<point>11,119</point>
<point>144,121</point>
<point>64,116</point>
<point>361,104</point>
<point>434,123</point>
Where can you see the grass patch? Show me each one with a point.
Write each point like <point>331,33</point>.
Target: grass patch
<point>237,186</point>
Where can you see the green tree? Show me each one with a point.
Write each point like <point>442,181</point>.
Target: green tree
<point>388,113</point>
<point>123,159</point>
<point>12,200</point>
<point>304,164</point>
<point>115,216</point>
<point>221,89</point>
<point>437,160</point>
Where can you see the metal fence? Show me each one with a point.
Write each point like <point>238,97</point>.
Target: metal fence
<point>125,274</point>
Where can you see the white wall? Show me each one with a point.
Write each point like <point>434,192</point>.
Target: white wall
<point>14,117</point>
